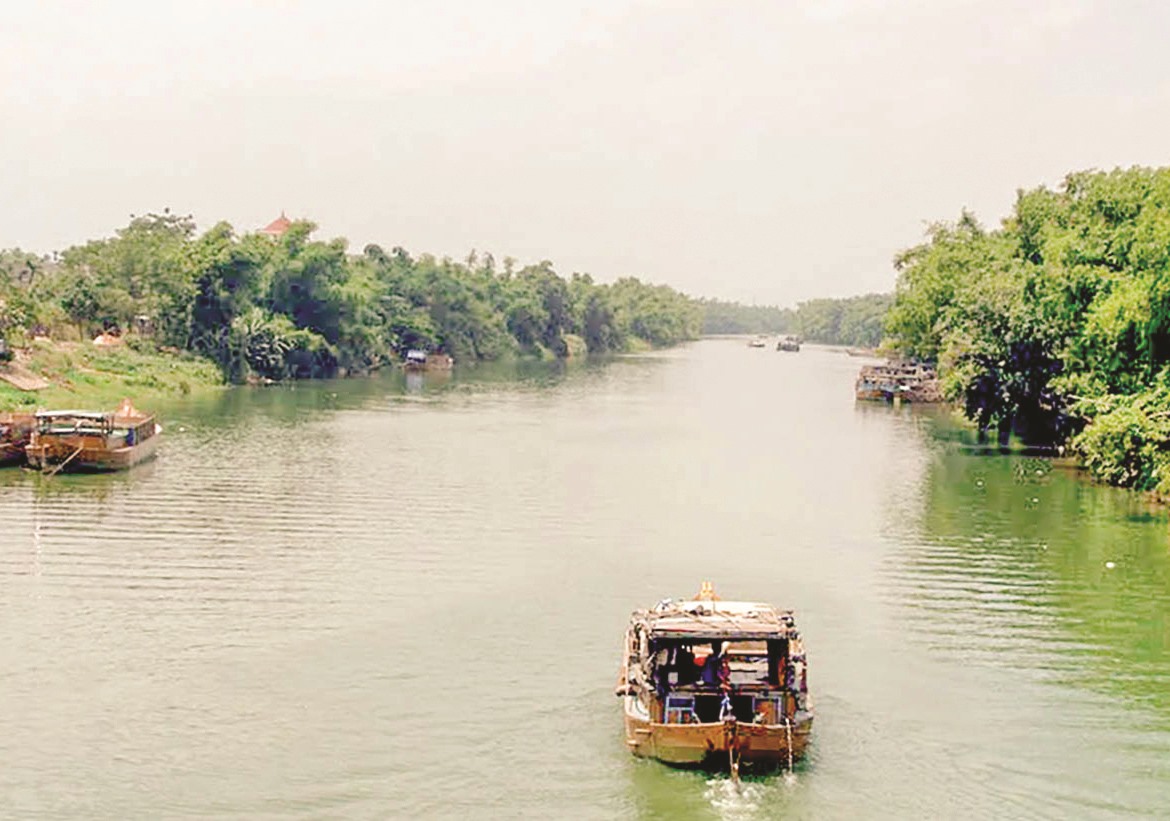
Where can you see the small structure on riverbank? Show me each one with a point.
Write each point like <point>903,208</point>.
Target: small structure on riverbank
<point>277,228</point>
<point>898,382</point>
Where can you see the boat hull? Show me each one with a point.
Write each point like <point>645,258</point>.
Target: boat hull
<point>875,395</point>
<point>11,454</point>
<point>709,746</point>
<point>90,459</point>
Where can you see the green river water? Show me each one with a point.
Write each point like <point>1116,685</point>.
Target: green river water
<point>392,598</point>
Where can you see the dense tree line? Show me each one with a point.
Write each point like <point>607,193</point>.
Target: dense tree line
<point>720,317</point>
<point>856,321</point>
<point>850,321</point>
<point>1056,325</point>
<point>298,307</point>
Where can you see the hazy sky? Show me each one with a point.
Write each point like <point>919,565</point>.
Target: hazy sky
<point>762,151</point>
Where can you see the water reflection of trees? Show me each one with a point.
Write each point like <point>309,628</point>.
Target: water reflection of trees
<point>296,403</point>
<point>1014,560</point>
<point>222,425</point>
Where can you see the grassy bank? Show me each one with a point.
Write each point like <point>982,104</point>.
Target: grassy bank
<point>80,375</point>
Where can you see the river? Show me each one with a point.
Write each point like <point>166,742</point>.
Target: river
<point>392,598</point>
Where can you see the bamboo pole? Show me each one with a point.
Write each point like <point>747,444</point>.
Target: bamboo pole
<point>59,466</point>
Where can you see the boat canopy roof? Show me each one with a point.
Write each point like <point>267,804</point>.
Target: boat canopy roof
<point>126,414</point>
<point>707,620</point>
<point>96,416</point>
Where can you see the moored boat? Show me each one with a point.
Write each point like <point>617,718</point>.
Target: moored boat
<point>898,382</point>
<point>714,684</point>
<point>789,343</point>
<point>15,432</point>
<point>419,360</point>
<point>73,440</point>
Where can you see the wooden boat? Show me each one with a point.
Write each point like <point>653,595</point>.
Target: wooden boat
<point>418,360</point>
<point>15,432</point>
<point>92,441</point>
<point>713,683</point>
<point>789,343</point>
<point>898,382</point>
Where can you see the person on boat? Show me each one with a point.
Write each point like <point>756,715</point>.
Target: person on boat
<point>716,670</point>
<point>777,660</point>
<point>684,663</point>
<point>710,672</point>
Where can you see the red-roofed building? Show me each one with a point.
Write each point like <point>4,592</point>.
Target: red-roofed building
<point>277,227</point>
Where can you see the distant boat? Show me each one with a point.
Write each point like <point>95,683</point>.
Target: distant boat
<point>758,342</point>
<point>861,351</point>
<point>90,441</point>
<point>713,683</point>
<point>789,343</point>
<point>419,360</point>
<point>15,432</point>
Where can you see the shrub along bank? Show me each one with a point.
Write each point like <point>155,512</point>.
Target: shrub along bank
<point>1056,325</point>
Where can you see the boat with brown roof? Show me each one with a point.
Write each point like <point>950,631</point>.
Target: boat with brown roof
<point>89,441</point>
<point>714,684</point>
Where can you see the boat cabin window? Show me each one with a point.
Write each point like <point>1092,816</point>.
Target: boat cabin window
<point>698,680</point>
<point>708,708</point>
<point>61,427</point>
<point>69,425</point>
<point>712,664</point>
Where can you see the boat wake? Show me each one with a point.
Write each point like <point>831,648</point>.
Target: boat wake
<point>745,800</point>
<point>734,801</point>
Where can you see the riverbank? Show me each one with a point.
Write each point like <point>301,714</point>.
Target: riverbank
<point>73,374</point>
<point>56,374</point>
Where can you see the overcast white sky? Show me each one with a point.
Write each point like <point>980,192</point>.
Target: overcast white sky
<point>767,151</point>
